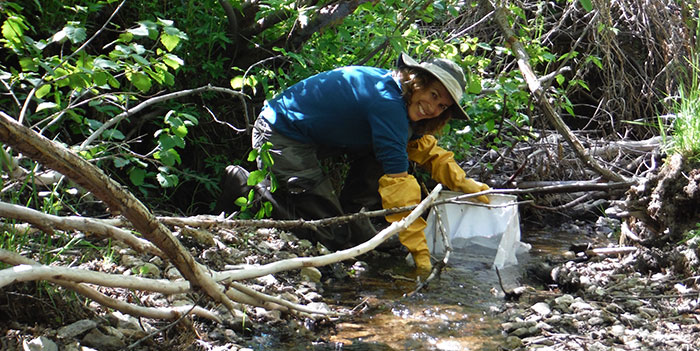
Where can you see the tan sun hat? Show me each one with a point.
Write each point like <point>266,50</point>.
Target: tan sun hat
<point>447,72</point>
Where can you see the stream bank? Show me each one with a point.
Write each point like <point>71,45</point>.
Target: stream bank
<point>630,302</point>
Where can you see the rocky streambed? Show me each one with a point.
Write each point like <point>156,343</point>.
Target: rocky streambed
<point>635,301</point>
<point>645,299</point>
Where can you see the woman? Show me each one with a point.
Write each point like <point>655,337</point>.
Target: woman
<point>380,119</point>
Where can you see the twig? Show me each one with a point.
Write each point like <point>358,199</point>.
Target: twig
<point>175,322</point>
<point>154,100</point>
<point>338,256</point>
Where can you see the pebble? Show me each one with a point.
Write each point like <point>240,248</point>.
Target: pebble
<point>600,309</point>
<point>76,328</point>
<point>311,274</point>
<point>41,343</point>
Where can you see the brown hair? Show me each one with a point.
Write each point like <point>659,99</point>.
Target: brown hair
<point>412,79</point>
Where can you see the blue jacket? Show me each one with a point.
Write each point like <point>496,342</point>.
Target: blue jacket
<point>351,107</point>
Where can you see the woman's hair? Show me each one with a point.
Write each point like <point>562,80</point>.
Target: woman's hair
<point>412,79</point>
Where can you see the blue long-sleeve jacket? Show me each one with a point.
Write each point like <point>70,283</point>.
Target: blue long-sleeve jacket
<point>352,107</point>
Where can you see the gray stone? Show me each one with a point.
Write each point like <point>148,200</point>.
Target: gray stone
<point>75,329</point>
<point>512,342</point>
<point>102,342</point>
<point>311,274</point>
<point>565,299</point>
<point>41,343</point>
<point>121,320</point>
<point>542,309</point>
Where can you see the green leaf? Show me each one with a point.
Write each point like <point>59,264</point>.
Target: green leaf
<point>140,31</point>
<point>169,41</point>
<point>100,78</point>
<point>13,29</point>
<point>237,82</point>
<point>252,155</point>
<point>560,79</point>
<point>169,157</point>
<point>137,176</point>
<point>71,32</point>
<point>140,81</point>
<point>173,61</point>
<point>45,105</point>
<point>43,90</point>
<point>120,162</point>
<point>113,134</point>
<point>474,84</point>
<point>28,64</point>
<point>167,180</point>
<point>586,4</point>
<point>256,177</point>
<point>167,141</point>
<point>266,159</point>
<point>180,131</point>
<point>241,201</point>
<point>145,28</point>
<point>105,64</point>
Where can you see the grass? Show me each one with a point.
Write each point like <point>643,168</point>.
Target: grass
<point>685,138</point>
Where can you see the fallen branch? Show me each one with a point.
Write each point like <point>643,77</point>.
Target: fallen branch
<point>116,197</point>
<point>27,270</point>
<point>540,95</point>
<point>166,313</point>
<point>610,251</point>
<point>48,222</point>
<point>299,262</point>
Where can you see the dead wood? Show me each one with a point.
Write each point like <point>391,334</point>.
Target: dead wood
<point>541,97</point>
<point>117,198</point>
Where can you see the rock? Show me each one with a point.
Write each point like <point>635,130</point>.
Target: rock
<point>596,321</point>
<point>322,250</point>
<point>121,320</point>
<point>311,274</point>
<point>271,316</point>
<point>541,308</point>
<point>102,342</point>
<point>313,296</point>
<point>267,280</point>
<point>617,330</point>
<point>172,273</point>
<point>305,244</point>
<point>41,343</point>
<point>130,261</point>
<point>565,299</point>
<point>150,270</point>
<point>580,305</point>
<point>512,342</point>
<point>75,329</point>
<point>319,306</point>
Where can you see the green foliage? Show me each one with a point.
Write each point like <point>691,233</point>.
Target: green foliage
<point>691,234</point>
<point>78,93</point>
<point>263,175</point>
<point>685,136</point>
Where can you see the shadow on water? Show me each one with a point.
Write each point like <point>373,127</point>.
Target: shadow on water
<point>454,313</point>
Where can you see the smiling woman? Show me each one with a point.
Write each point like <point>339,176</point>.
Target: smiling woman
<point>380,120</point>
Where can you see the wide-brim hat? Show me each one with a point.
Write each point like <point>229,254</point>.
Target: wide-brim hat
<point>447,72</point>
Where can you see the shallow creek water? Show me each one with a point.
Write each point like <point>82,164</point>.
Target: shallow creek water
<point>454,313</point>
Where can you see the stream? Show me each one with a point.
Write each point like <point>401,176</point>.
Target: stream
<point>456,312</point>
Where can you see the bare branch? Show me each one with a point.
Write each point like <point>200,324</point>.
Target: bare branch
<point>88,225</point>
<point>158,99</point>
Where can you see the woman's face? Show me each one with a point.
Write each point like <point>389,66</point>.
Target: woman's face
<point>429,102</point>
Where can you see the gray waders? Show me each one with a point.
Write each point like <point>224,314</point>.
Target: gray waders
<point>305,192</point>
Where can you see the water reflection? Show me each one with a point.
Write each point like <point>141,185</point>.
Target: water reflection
<point>454,313</point>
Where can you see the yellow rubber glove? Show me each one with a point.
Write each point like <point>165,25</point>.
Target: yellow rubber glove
<point>442,166</point>
<point>404,191</point>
